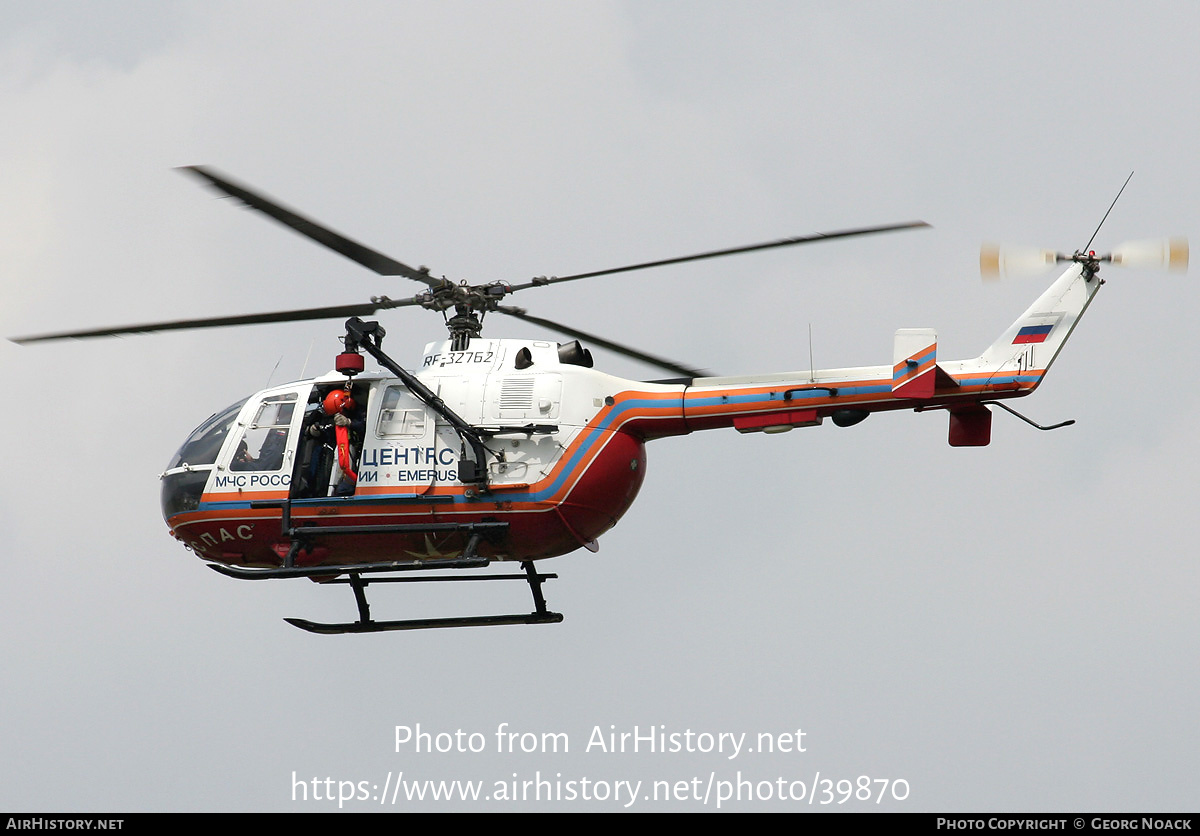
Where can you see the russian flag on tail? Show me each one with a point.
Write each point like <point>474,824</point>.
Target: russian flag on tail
<point>1037,328</point>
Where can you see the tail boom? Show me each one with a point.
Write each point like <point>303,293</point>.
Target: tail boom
<point>1012,366</point>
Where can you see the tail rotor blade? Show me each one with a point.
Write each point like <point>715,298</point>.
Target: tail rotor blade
<point>1171,253</point>
<point>996,261</point>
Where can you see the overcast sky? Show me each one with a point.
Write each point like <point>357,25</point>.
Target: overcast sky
<point>1007,628</point>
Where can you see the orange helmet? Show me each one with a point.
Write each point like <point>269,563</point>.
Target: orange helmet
<point>337,401</point>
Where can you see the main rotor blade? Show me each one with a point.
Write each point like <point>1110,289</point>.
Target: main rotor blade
<point>649,359</point>
<point>360,253</point>
<point>785,242</point>
<point>342,311</point>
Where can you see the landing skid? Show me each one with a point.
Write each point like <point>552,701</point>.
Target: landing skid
<point>301,536</point>
<point>425,623</point>
<point>365,624</point>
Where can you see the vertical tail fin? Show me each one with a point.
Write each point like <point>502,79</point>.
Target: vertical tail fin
<point>914,363</point>
<point>1026,350</point>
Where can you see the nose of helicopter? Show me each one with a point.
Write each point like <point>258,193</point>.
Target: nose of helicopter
<point>181,491</point>
<point>187,473</point>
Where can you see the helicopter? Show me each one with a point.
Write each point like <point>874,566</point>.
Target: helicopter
<point>517,450</point>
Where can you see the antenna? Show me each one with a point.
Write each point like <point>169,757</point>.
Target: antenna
<point>812,370</point>
<point>304,368</point>
<point>1088,246</point>
<point>272,374</point>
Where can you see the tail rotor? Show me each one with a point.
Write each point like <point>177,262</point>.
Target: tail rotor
<point>1001,261</point>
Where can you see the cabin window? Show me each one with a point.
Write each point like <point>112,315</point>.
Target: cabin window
<point>397,418</point>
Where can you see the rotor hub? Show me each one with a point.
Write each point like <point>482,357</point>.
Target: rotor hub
<point>1090,262</point>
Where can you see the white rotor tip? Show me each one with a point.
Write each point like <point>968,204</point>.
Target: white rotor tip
<point>989,262</point>
<point>996,261</point>
<point>1171,253</point>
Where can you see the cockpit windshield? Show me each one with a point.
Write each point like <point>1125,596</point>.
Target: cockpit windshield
<point>203,445</point>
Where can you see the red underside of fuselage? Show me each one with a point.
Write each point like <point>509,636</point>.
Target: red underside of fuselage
<point>538,527</point>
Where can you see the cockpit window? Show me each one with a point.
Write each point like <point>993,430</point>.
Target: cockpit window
<point>203,445</point>
<point>265,442</point>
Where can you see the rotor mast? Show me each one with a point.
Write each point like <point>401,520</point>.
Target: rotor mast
<point>464,326</point>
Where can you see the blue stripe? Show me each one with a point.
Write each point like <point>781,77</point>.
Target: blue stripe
<point>596,433</point>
